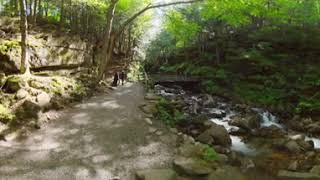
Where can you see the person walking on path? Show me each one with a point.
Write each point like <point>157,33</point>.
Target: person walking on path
<point>122,77</point>
<point>115,79</point>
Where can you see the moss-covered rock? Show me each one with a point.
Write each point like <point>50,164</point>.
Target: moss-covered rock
<point>5,114</point>
<point>13,84</point>
<point>28,110</point>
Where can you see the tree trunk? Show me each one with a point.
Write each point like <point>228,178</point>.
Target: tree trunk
<point>23,27</point>
<point>34,20</point>
<point>40,9</point>
<point>108,43</point>
<point>62,13</point>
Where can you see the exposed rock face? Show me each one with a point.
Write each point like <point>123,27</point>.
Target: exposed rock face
<point>156,174</point>
<point>216,134</point>
<point>192,166</point>
<point>46,50</point>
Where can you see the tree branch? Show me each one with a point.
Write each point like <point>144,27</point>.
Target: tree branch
<point>148,7</point>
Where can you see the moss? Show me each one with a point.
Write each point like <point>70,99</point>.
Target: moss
<point>168,112</point>
<point>7,45</point>
<point>6,115</point>
<point>209,154</point>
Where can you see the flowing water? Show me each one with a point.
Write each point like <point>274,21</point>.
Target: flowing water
<point>267,118</point>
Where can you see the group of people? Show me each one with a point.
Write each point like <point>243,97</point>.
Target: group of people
<point>119,77</point>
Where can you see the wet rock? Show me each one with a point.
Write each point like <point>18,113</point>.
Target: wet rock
<point>297,137</point>
<point>246,164</point>
<point>156,174</point>
<point>305,145</point>
<point>307,121</point>
<point>28,109</point>
<point>315,170</point>
<point>247,122</point>
<point>192,166</point>
<point>313,128</point>
<point>221,149</point>
<point>293,166</point>
<point>295,125</point>
<point>227,173</point>
<point>269,132</point>
<point>22,94</point>
<point>289,175</point>
<point>200,119</point>
<point>222,158</point>
<point>216,134</point>
<point>209,102</point>
<point>293,147</point>
<point>216,113</point>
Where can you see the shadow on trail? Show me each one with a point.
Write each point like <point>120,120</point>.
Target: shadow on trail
<point>98,139</point>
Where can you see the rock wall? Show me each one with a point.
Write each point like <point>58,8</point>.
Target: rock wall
<point>45,48</point>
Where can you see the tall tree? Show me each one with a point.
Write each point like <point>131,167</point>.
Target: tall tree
<point>23,27</point>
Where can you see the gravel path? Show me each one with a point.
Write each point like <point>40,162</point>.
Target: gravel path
<point>103,138</point>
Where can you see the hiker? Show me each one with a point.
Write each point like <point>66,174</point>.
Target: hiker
<point>122,77</point>
<point>115,79</point>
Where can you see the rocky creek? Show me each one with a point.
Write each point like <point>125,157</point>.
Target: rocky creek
<point>251,137</point>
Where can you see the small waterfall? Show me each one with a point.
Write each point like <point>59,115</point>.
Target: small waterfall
<point>237,143</point>
<point>269,119</point>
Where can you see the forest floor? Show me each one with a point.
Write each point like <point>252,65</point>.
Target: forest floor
<point>105,137</point>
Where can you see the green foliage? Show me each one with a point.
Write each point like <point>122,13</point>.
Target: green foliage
<point>209,154</point>
<point>6,115</point>
<point>309,105</point>
<point>262,95</point>
<point>181,28</point>
<point>7,45</point>
<point>168,113</point>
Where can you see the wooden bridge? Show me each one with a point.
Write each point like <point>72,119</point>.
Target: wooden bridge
<point>188,82</point>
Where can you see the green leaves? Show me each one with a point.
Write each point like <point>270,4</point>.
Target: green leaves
<point>182,29</point>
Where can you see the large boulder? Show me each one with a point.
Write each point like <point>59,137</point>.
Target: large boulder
<point>21,94</point>
<point>215,113</point>
<point>269,132</point>
<point>43,99</point>
<point>13,84</point>
<point>314,128</point>
<point>216,134</point>
<point>227,173</point>
<point>156,174</point>
<point>315,170</point>
<point>192,166</point>
<point>247,122</point>
<point>28,110</point>
<point>293,147</point>
<point>289,175</point>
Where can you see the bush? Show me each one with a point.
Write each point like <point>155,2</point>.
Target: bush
<point>209,154</point>
<point>168,113</point>
<point>5,114</point>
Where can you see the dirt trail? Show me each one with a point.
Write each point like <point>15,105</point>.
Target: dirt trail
<point>102,138</point>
